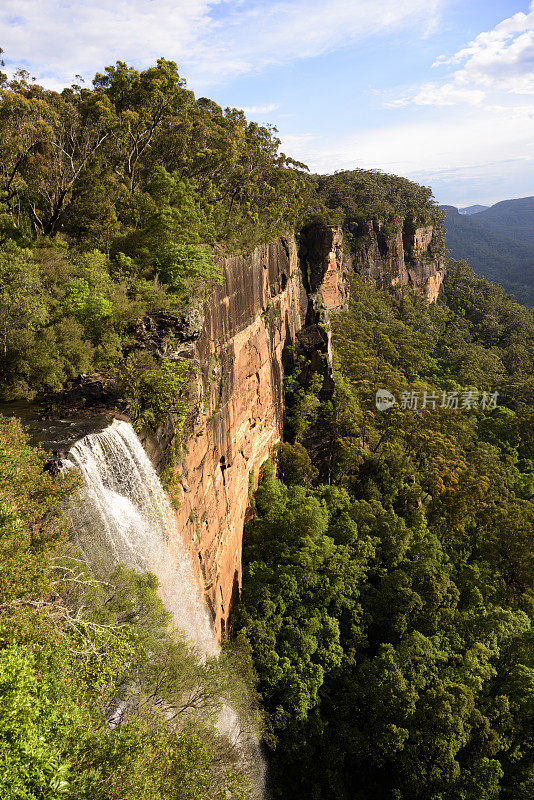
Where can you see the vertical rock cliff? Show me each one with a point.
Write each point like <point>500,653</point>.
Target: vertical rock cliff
<point>238,410</point>
<point>238,344</point>
<point>267,300</point>
<point>325,265</point>
<point>412,256</point>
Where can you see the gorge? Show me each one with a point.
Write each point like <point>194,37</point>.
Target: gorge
<point>229,572</point>
<point>281,295</point>
<point>267,300</point>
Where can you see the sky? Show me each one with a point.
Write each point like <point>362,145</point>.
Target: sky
<point>440,91</point>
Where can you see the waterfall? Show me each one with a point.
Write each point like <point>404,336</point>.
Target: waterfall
<point>124,517</point>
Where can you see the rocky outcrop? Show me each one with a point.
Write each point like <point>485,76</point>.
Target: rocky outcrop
<point>326,275</point>
<point>270,299</point>
<point>325,266</point>
<point>412,256</point>
<point>237,411</point>
<point>261,306</point>
<point>237,339</point>
<point>164,334</point>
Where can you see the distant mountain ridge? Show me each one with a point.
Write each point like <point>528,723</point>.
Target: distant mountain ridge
<point>511,218</point>
<point>472,209</point>
<point>498,243</point>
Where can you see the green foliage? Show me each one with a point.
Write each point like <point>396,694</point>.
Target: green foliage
<point>390,613</point>
<point>167,240</point>
<point>137,153</point>
<point>301,394</point>
<point>31,519</point>
<point>150,389</point>
<point>295,551</point>
<point>294,464</point>
<point>99,697</point>
<point>32,726</point>
<point>22,311</point>
<point>358,198</point>
<point>180,265</point>
<point>112,201</point>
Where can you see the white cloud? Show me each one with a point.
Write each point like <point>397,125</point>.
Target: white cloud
<point>472,128</point>
<point>448,94</point>
<point>55,39</point>
<point>265,109</point>
<point>260,33</point>
<point>212,40</point>
<point>496,61</point>
<point>462,145</point>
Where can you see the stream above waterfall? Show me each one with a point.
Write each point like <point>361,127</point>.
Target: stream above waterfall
<point>59,433</point>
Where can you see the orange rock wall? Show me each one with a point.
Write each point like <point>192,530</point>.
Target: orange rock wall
<point>413,257</point>
<point>325,266</point>
<point>237,343</point>
<point>239,410</point>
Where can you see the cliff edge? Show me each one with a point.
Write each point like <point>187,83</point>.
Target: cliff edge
<point>411,256</point>
<point>266,300</point>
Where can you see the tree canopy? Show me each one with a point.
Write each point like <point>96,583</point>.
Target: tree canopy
<point>390,609</point>
<point>114,199</point>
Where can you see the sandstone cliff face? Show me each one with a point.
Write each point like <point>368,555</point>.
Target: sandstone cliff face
<point>413,257</point>
<point>268,300</point>
<point>326,275</point>
<point>325,267</point>
<point>238,343</point>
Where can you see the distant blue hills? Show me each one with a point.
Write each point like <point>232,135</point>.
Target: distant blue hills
<point>472,209</point>
<point>498,243</point>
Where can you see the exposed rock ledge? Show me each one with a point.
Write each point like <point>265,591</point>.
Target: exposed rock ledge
<point>412,257</point>
<point>238,416</point>
<point>238,341</point>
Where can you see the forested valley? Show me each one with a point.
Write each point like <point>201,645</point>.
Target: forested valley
<point>383,639</point>
<point>388,593</point>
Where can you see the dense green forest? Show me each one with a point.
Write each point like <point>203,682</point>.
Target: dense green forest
<point>114,201</point>
<point>387,603</point>
<point>496,248</point>
<point>388,593</point>
<point>359,196</point>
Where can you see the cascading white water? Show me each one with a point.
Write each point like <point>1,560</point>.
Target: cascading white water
<point>124,517</point>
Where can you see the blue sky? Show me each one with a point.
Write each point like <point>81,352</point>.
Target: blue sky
<point>441,91</point>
